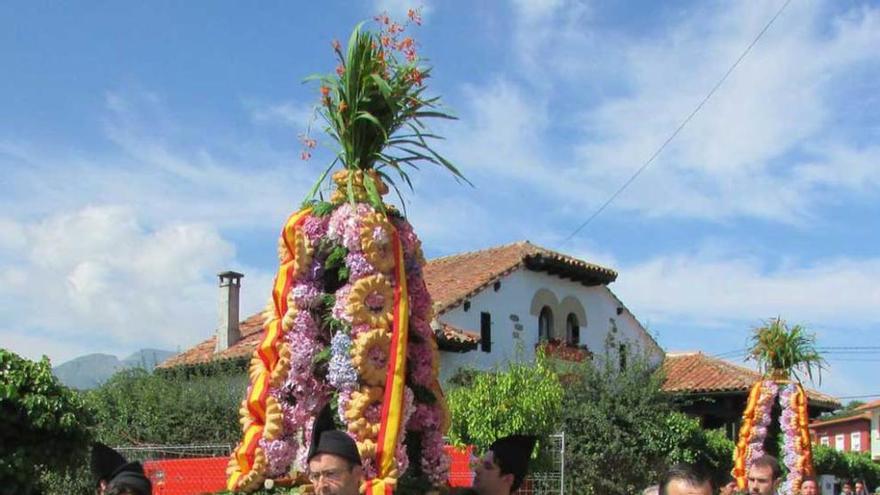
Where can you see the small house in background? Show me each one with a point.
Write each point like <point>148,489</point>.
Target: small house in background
<point>491,306</point>
<point>859,431</point>
<point>716,390</point>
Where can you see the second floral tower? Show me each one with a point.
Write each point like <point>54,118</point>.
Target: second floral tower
<point>348,328</point>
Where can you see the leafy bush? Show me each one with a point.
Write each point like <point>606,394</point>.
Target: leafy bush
<point>622,432</point>
<point>176,407</point>
<point>45,425</point>
<point>523,398</point>
<point>846,465</point>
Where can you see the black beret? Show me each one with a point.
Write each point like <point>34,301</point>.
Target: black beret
<point>326,439</point>
<point>512,455</point>
<point>105,461</point>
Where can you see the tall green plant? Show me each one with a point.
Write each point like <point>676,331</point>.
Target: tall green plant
<point>44,426</point>
<point>785,352</point>
<point>522,398</point>
<point>374,108</point>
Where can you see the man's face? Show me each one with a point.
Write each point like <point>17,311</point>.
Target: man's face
<point>847,488</point>
<point>761,480</point>
<point>683,487</point>
<point>859,487</point>
<point>809,487</point>
<point>488,479</point>
<point>333,475</point>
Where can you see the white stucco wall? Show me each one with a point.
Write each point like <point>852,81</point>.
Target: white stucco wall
<point>875,434</point>
<point>514,325</point>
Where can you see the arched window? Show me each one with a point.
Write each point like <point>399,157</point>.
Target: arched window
<point>545,324</point>
<point>572,330</point>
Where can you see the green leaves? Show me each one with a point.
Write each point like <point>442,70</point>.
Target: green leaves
<point>786,351</point>
<point>522,398</point>
<point>371,99</point>
<point>45,425</point>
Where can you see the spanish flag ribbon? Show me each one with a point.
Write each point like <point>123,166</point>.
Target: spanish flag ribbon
<point>267,351</point>
<point>390,427</point>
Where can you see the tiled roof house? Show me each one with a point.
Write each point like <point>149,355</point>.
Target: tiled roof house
<point>716,390</point>
<point>518,281</point>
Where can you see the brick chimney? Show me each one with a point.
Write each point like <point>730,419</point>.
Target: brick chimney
<point>228,332</point>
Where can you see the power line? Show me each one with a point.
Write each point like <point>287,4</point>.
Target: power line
<point>680,126</point>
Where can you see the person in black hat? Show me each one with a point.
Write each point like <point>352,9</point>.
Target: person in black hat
<point>334,461</point>
<point>129,479</point>
<point>110,469</point>
<point>502,470</point>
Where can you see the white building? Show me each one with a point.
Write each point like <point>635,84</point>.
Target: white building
<point>500,303</point>
<point>491,306</point>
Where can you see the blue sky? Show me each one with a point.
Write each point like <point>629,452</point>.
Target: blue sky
<point>146,147</point>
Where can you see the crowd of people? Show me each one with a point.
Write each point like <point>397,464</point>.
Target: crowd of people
<point>334,468</point>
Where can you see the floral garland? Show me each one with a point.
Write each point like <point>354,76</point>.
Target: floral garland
<point>334,338</point>
<point>797,451</point>
<point>753,431</point>
<point>794,424</point>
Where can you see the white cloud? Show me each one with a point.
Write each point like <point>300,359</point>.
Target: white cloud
<point>724,288</point>
<point>288,113</point>
<point>768,145</point>
<point>160,169</point>
<point>98,278</point>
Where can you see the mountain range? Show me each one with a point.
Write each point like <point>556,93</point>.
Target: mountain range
<point>92,370</point>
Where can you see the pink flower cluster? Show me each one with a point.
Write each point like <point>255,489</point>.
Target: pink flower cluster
<point>763,417</point>
<point>791,450</point>
<point>303,394</point>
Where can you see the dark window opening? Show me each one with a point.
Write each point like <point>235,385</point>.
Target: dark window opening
<point>572,330</point>
<point>485,332</point>
<point>545,324</point>
<point>622,355</point>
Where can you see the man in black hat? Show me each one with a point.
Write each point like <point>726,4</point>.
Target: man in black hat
<point>502,470</point>
<point>110,469</point>
<point>334,460</point>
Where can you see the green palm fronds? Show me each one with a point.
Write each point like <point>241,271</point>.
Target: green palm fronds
<point>783,351</point>
<point>374,107</point>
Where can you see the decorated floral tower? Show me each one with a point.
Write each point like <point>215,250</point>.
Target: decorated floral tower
<point>348,324</point>
<point>780,352</point>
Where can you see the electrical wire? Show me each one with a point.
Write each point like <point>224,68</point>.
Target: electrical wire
<point>680,126</point>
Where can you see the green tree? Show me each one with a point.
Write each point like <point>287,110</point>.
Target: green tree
<point>846,465</point>
<point>174,407</point>
<point>622,431</point>
<point>523,398</point>
<point>45,425</point>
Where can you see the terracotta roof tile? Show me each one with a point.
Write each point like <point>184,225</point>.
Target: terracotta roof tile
<point>695,372</point>
<point>875,404</point>
<point>450,281</point>
<point>846,419</point>
<point>450,338</point>
<point>251,333</point>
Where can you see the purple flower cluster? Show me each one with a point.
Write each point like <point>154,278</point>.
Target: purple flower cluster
<point>303,394</point>
<point>769,390</point>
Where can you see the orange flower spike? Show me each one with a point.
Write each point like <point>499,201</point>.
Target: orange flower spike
<point>325,91</point>
<point>385,40</point>
<point>415,15</point>
<point>342,106</point>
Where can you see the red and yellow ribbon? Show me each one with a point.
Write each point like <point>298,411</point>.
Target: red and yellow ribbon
<point>390,427</point>
<point>745,435</point>
<point>245,454</point>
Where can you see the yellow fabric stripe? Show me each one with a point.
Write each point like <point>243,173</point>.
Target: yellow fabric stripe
<point>395,412</point>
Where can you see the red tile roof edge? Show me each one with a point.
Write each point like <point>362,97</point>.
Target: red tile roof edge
<point>845,419</point>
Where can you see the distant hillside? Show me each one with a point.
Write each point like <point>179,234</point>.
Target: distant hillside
<point>92,370</point>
